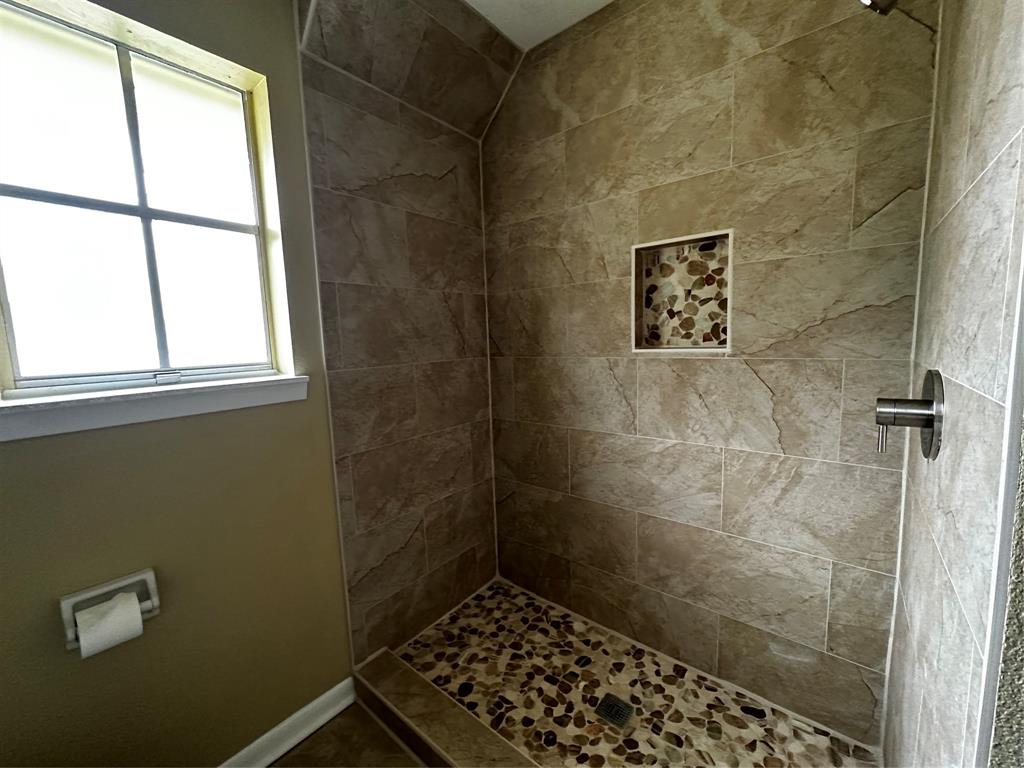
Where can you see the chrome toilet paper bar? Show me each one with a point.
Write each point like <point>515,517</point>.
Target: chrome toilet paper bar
<point>142,583</point>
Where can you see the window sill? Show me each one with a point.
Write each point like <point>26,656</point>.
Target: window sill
<point>58,414</point>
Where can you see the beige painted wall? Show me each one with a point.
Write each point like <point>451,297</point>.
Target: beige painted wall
<point>234,510</point>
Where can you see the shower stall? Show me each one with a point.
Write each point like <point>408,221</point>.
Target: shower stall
<point>605,324</point>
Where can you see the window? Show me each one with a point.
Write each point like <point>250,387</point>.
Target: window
<point>132,243</point>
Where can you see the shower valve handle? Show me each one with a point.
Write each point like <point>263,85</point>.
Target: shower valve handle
<point>925,414</point>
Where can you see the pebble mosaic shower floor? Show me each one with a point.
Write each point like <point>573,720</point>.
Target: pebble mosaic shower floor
<point>535,673</point>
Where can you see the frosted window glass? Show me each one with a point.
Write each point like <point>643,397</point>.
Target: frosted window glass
<point>63,126</point>
<point>78,289</point>
<point>212,297</point>
<point>194,151</point>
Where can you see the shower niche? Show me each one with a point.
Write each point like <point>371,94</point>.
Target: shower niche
<point>681,294</point>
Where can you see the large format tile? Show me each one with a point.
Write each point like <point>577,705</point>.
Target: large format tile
<point>580,245</point>
<point>394,620</point>
<point>531,322</point>
<point>965,262</point>
<point>997,85</point>
<point>889,191</point>
<point>372,158</point>
<point>589,78</point>
<point>836,511</point>
<point>666,479</point>
<point>329,317</point>
<point>651,143</point>
<point>444,256</point>
<point>524,183</point>
<point>408,476</point>
<point>864,381</point>
<point>667,624</point>
<point>597,318</point>
<point>791,205</point>
<point>532,453</point>
<point>457,522</point>
<point>582,531</point>
<point>584,393</point>
<point>450,393</point>
<point>904,696</point>
<point>534,569</point>
<point>777,590</point>
<point>372,406</point>
<point>687,38</point>
<point>359,241</point>
<point>775,406</point>
<point>385,326</point>
<point>382,560</point>
<point>351,738</point>
<point>834,692</point>
<point>851,304</point>
<point>962,507</point>
<point>463,21</point>
<point>859,613</point>
<point>863,73</point>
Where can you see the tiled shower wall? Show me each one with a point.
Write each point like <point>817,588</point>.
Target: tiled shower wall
<point>400,250</point>
<point>969,291</point>
<point>731,512</point>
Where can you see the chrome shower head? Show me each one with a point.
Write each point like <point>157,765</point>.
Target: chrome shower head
<point>879,6</point>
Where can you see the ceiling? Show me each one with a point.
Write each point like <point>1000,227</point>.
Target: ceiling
<point>529,22</point>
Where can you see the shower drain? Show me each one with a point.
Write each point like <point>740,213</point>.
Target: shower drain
<point>614,710</point>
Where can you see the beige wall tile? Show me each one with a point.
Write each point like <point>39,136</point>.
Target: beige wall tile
<point>580,245</point>
<point>531,322</point>
<point>332,332</point>
<point>687,38</point>
<point>579,530</point>
<point>863,73</point>
<point>345,496</point>
<point>791,205</point>
<point>584,393</point>
<point>474,30</point>
<point>524,183</point>
<point>775,406</point>
<point>372,406</point>
<point>676,481</point>
<point>889,187</point>
<point>864,381</point>
<point>347,88</point>
<point>406,477</point>
<point>681,630</point>
<point>965,269</point>
<point>382,326</point>
<point>778,590</point>
<point>383,560</point>
<point>532,453</point>
<point>458,522</point>
<point>836,511</point>
<point>597,317</point>
<point>997,84</point>
<point>359,241</point>
<point>651,143</point>
<point>445,256</point>
<point>859,614</point>
<point>450,393</point>
<point>534,569</point>
<point>904,696</point>
<point>840,695</point>
<point>848,304</point>
<point>503,403</point>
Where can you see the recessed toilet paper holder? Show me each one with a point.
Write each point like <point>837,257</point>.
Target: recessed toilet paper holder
<point>142,583</point>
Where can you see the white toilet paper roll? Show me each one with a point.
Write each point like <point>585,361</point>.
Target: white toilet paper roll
<point>107,624</point>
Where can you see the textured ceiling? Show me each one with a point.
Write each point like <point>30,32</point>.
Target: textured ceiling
<point>529,22</point>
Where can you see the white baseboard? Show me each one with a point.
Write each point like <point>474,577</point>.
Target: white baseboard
<point>286,734</point>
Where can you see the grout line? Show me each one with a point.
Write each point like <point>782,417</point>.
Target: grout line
<point>417,364</point>
<point>331,65</point>
<point>842,409</point>
<point>730,534</point>
<point>696,444</point>
<point>307,28</point>
<point>498,105</point>
<point>385,204</point>
<point>828,602</point>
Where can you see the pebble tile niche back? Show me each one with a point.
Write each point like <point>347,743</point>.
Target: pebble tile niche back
<point>681,294</point>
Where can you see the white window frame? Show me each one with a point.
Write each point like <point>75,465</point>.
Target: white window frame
<point>34,406</point>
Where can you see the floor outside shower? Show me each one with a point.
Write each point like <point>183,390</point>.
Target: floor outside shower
<point>534,673</point>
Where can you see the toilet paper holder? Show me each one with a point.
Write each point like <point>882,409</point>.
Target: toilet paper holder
<point>142,583</point>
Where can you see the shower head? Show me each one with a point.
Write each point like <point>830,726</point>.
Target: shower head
<point>879,6</point>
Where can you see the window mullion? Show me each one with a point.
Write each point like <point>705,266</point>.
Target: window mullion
<point>128,87</point>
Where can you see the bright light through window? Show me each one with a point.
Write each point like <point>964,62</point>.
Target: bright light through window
<point>129,234</point>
